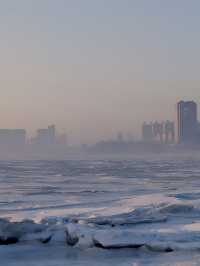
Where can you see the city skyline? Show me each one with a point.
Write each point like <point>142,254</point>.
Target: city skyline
<point>184,129</point>
<point>99,132</point>
<point>95,67</point>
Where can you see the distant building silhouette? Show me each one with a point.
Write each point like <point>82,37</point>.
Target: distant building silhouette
<point>147,132</point>
<point>46,137</point>
<point>187,121</point>
<point>47,140</point>
<point>161,132</point>
<point>158,131</point>
<point>52,134</point>
<point>169,129</point>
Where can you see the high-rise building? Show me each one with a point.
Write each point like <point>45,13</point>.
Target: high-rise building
<point>147,132</point>
<point>169,132</point>
<point>187,121</point>
<point>52,134</point>
<point>46,137</point>
<point>159,132</point>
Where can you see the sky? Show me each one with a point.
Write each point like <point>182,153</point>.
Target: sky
<point>96,67</point>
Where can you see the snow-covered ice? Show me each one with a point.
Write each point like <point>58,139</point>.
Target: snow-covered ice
<point>100,212</point>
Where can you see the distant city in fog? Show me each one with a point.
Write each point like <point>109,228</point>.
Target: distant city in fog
<point>155,136</point>
<point>99,132</point>
<point>95,68</point>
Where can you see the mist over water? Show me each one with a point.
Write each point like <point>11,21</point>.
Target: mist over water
<point>83,180</point>
<point>98,68</point>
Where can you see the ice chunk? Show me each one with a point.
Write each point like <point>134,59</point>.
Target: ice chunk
<point>72,234</point>
<point>138,216</point>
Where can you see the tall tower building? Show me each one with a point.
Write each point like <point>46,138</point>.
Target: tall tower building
<point>187,121</point>
<point>147,132</point>
<point>52,134</point>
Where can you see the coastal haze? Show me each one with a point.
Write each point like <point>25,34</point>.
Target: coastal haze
<point>99,133</point>
<point>95,68</point>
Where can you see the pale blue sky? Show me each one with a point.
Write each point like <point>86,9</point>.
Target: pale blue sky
<point>96,67</point>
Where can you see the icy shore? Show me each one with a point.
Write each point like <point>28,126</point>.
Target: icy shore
<point>158,229</point>
<point>100,213</point>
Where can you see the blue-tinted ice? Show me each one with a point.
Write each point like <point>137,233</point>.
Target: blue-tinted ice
<point>97,208</point>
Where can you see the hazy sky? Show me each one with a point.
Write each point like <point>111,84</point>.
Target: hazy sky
<point>96,67</point>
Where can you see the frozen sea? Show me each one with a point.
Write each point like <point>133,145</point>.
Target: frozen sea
<point>136,211</point>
